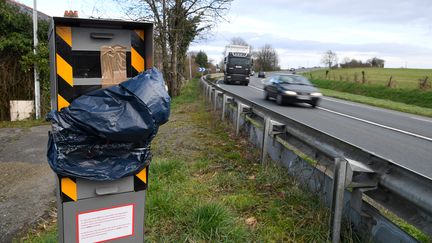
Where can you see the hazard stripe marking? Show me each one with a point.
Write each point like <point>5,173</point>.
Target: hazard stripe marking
<point>61,102</point>
<point>64,69</point>
<point>69,188</point>
<point>140,33</point>
<point>142,175</point>
<point>137,60</point>
<point>65,33</point>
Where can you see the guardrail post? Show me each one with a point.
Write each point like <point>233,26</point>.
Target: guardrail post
<point>216,94</point>
<point>239,111</point>
<point>209,93</point>
<point>225,100</point>
<point>339,179</point>
<point>205,90</point>
<point>267,124</point>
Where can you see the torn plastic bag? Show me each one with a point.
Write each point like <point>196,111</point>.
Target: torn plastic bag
<point>106,134</point>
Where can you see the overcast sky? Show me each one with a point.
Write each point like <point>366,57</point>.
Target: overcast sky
<point>400,32</point>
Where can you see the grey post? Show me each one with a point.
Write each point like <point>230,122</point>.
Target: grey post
<point>211,94</point>
<point>267,124</point>
<point>224,102</point>
<point>216,94</point>
<point>339,178</point>
<point>239,111</point>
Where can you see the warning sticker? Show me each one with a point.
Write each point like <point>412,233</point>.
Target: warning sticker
<point>105,224</point>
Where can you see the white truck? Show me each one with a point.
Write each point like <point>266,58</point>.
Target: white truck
<point>237,64</point>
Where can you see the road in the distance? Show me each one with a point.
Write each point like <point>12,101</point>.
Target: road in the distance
<point>404,139</point>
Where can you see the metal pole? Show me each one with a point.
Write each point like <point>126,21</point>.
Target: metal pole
<point>36,72</point>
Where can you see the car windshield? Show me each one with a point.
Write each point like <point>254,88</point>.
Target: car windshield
<point>239,61</point>
<point>288,79</point>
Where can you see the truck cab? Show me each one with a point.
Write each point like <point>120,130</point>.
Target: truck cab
<point>238,65</point>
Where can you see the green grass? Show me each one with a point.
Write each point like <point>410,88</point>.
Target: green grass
<point>379,102</point>
<point>23,124</point>
<point>407,96</point>
<point>206,185</point>
<point>348,80</point>
<point>405,78</point>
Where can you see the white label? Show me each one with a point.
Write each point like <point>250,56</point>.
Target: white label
<point>105,224</point>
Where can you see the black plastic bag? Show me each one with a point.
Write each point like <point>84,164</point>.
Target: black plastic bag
<point>106,134</point>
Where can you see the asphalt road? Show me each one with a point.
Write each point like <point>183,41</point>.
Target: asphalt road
<point>26,181</point>
<point>402,138</point>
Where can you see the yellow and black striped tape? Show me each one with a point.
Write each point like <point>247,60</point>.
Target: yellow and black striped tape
<point>141,180</point>
<point>68,188</point>
<point>137,52</point>
<point>64,69</point>
<point>67,91</point>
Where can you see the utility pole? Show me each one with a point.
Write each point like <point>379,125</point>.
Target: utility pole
<point>36,72</point>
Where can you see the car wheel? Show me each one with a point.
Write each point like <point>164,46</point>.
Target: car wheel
<point>266,95</point>
<point>279,99</point>
<point>313,104</point>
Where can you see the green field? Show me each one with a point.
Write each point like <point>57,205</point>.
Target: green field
<point>405,89</point>
<point>405,78</point>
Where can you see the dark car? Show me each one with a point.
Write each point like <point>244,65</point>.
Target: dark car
<point>261,74</point>
<point>290,88</point>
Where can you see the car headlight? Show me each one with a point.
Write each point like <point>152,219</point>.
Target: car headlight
<point>316,94</point>
<point>247,77</point>
<point>288,92</point>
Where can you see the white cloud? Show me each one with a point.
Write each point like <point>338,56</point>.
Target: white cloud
<point>399,31</point>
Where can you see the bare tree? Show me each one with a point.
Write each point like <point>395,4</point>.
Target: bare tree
<point>329,58</point>
<point>177,24</point>
<point>238,41</point>
<point>267,58</point>
<point>376,62</point>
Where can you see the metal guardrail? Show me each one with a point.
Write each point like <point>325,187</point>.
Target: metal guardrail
<point>403,192</point>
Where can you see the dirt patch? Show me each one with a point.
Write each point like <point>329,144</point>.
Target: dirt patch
<point>27,183</point>
<point>26,192</point>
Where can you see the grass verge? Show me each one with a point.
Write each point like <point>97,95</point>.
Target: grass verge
<point>206,185</point>
<point>388,104</point>
<point>405,78</point>
<point>407,96</point>
<point>23,124</point>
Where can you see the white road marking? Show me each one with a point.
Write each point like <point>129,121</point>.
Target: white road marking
<point>421,119</point>
<point>378,125</point>
<point>370,122</point>
<point>354,104</point>
<point>256,88</point>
